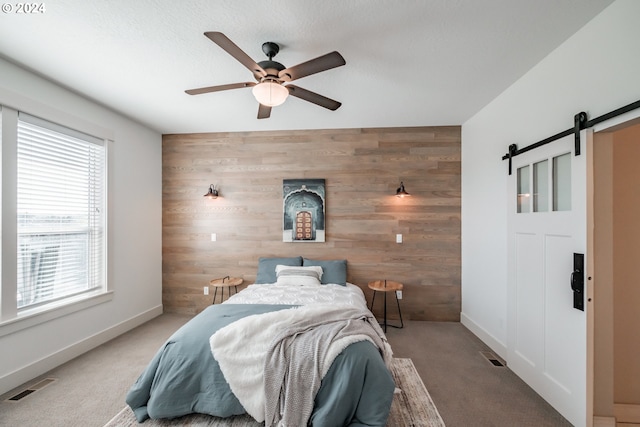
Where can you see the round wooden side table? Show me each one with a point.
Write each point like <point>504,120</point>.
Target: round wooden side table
<point>225,282</point>
<point>387,286</point>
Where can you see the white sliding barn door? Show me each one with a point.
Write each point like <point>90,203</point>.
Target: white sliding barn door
<point>547,336</point>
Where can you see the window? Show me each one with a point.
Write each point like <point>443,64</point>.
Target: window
<point>550,187</point>
<point>541,186</point>
<point>523,189</point>
<point>562,183</point>
<point>61,232</point>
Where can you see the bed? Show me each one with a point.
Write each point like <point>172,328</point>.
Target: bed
<point>298,347</point>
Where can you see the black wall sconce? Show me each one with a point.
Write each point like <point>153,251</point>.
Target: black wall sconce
<point>401,192</point>
<point>212,193</point>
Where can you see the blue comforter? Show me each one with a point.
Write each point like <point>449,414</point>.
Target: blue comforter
<point>184,378</point>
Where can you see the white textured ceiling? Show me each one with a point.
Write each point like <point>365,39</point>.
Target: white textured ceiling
<point>409,63</point>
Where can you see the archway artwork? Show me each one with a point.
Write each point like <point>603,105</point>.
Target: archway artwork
<point>303,202</point>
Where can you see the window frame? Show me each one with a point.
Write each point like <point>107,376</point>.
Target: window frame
<point>64,235</point>
<point>12,319</point>
<point>527,198</point>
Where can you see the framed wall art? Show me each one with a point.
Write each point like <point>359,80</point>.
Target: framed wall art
<point>303,202</point>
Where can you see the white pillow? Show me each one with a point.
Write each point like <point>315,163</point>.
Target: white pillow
<point>301,276</point>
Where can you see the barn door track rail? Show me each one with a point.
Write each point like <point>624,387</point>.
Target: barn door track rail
<point>580,122</point>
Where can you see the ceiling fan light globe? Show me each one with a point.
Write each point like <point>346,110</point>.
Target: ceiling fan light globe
<point>270,94</point>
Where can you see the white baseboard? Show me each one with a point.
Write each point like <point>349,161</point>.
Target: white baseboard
<point>604,422</point>
<point>496,345</point>
<point>42,366</point>
<point>626,413</point>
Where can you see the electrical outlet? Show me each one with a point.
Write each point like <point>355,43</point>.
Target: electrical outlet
<point>398,238</point>
<point>206,290</point>
<point>214,237</point>
<point>399,294</point>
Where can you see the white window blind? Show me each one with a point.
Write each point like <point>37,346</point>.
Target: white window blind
<point>61,206</point>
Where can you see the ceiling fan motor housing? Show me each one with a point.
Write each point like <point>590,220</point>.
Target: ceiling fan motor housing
<point>272,68</point>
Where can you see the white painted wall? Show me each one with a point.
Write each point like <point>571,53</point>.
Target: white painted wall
<point>596,70</point>
<point>135,196</point>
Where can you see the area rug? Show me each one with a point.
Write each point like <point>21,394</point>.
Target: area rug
<point>411,407</point>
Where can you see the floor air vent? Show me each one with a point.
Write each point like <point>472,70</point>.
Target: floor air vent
<point>492,358</point>
<point>35,387</point>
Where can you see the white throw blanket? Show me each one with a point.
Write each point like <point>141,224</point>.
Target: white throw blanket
<point>241,349</point>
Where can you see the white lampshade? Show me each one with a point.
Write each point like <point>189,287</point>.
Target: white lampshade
<point>270,94</point>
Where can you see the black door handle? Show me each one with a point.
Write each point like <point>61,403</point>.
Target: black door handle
<point>577,281</point>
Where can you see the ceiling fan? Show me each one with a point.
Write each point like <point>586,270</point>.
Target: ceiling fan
<point>270,90</point>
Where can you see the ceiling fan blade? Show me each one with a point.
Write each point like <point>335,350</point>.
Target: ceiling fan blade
<point>313,97</point>
<point>219,88</point>
<point>264,112</point>
<point>321,63</point>
<point>232,49</point>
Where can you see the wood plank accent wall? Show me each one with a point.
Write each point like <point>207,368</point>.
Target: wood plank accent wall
<point>362,169</point>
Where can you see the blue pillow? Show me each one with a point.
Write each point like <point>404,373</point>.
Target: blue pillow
<point>267,267</point>
<point>333,271</point>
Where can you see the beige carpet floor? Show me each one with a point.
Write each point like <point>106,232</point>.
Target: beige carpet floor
<point>466,388</point>
<point>411,407</point>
